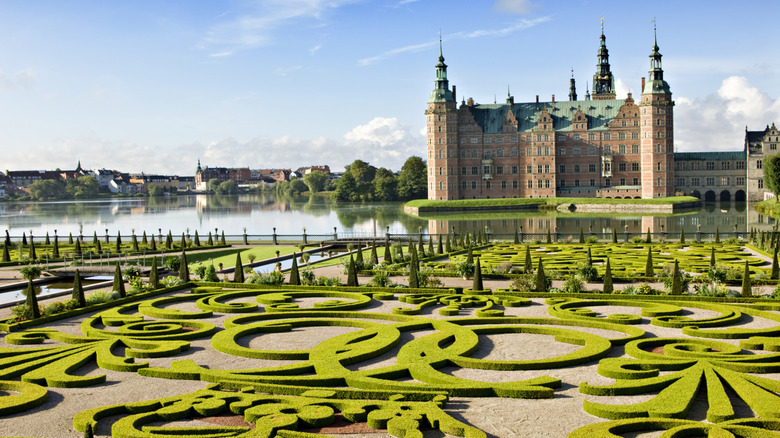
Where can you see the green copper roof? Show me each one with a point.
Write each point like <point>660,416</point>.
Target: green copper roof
<point>709,156</point>
<point>598,112</point>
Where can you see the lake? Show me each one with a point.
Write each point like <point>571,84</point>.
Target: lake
<point>259,214</point>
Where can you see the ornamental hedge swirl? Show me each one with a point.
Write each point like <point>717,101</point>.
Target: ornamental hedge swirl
<point>395,364</point>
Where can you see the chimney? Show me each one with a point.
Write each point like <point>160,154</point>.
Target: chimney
<point>454,95</point>
<point>643,84</point>
<point>537,101</point>
<point>553,99</point>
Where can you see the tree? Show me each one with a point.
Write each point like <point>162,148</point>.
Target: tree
<point>614,236</point>
<point>477,281</point>
<point>212,185</point>
<point>82,187</point>
<point>470,255</point>
<point>77,248</point>
<point>47,189</point>
<point>775,268</point>
<point>771,168</point>
<point>413,179</point>
<point>582,236</point>
<point>154,279</point>
<point>345,188</point>
<point>712,258</point>
<point>228,187</point>
<point>682,236</point>
<point>316,181</point>
<point>196,240</point>
<point>676,280</point>
<point>608,288</point>
<point>414,279</point>
<point>55,251</point>
<point>385,185</point>
<point>528,266</point>
<point>119,282</point>
<point>78,290</point>
<point>649,238</point>
<point>295,276</point>
<point>238,274</point>
<point>388,254</point>
<point>31,301</point>
<point>156,190</point>
<point>649,264</point>
<point>32,253</point>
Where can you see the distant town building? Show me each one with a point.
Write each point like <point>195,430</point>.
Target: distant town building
<point>203,175</point>
<point>103,177</point>
<point>78,172</point>
<point>23,178</point>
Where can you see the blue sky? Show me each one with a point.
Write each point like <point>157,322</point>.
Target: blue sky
<point>154,85</point>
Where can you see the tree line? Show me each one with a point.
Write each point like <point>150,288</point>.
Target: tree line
<point>364,182</point>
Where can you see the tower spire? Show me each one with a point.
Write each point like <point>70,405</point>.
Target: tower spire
<point>441,90</point>
<point>656,84</point>
<point>603,81</point>
<point>572,87</point>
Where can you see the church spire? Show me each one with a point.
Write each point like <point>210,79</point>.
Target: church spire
<point>199,168</point>
<point>656,84</point>
<point>603,81</point>
<point>441,91</point>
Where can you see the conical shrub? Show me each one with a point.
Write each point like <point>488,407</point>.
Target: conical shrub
<point>439,246</point>
<point>614,236</point>
<point>477,281</point>
<point>119,282</point>
<point>747,290</point>
<point>712,258</point>
<point>541,279</point>
<point>238,274</point>
<point>528,266</point>
<point>144,239</point>
<point>775,268</point>
<point>388,253</point>
<point>649,238</point>
<point>48,241</point>
<point>649,263</point>
<point>352,280</point>
<point>134,242</point>
<point>374,257</point>
<point>414,279</point>
<point>184,269</point>
<point>517,236</point>
<point>448,245</point>
<point>154,278</point>
<point>169,240</point>
<point>676,280</point>
<point>210,242</point>
<point>55,251</point>
<point>470,256</point>
<point>608,288</point>
<point>359,254</point>
<point>183,241</point>
<point>197,239</point>
<point>295,276</point>
<point>32,301</point>
<point>77,248</point>
<point>78,290</point>
<point>33,255</point>
<point>682,235</point>
<point>223,238</point>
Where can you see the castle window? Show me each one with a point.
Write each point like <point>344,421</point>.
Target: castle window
<point>575,137</point>
<point>499,152</point>
<point>473,153</point>
<point>440,171</point>
<point>547,150</point>
<point>563,183</point>
<point>634,166</point>
<point>547,183</point>
<point>607,149</point>
<point>760,183</point>
<point>759,164</point>
<point>503,184</point>
<point>576,168</point>
<point>658,182</point>
<point>710,165</point>
<point>488,140</point>
<point>441,185</point>
<point>740,180</point>
<point>474,170</point>
<point>487,153</point>
<point>546,137</point>
<point>659,166</point>
<point>591,137</point>
<point>622,149</point>
<point>463,170</point>
<point>487,184</point>
<point>621,167</point>
<point>636,181</point>
<point>659,148</point>
<point>622,135</point>
<point>513,140</point>
<point>607,182</point>
<point>725,181</point>
<point>592,182</point>
<point>473,185</point>
<point>439,128</point>
<point>623,123</point>
<point>528,151</point>
<point>636,123</point>
<point>592,167</point>
<point>576,183</point>
<point>740,165</point>
<point>538,137</point>
<point>463,185</point>
<point>579,118</point>
<point>499,170</point>
<point>530,184</point>
<point>539,183</point>
<point>463,140</point>
<point>546,168</point>
<point>514,184</point>
<point>773,146</point>
<point>725,165</point>
<point>694,181</point>
<point>622,181</point>
<point>500,140</point>
<point>441,140</point>
<point>539,168</point>
<point>562,168</point>
<point>591,150</point>
<point>440,117</point>
<point>441,153</point>
<point>513,152</point>
<point>538,150</point>
<point>514,170</point>
<point>562,151</point>
<point>607,136</point>
<point>634,148</point>
<point>575,150</point>
<point>680,181</point>
<point>528,169</point>
<point>463,153</point>
<point>474,140</point>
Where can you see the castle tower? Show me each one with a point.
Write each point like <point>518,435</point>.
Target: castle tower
<point>603,81</point>
<point>572,89</point>
<point>657,132</point>
<point>442,128</point>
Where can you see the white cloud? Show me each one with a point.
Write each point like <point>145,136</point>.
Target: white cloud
<point>718,121</point>
<point>22,79</point>
<point>381,141</point>
<point>314,49</point>
<point>621,89</point>
<point>514,27</point>
<point>220,54</point>
<point>515,6</point>
<point>255,25</point>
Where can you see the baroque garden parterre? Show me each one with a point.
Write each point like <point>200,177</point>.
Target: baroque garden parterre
<point>292,360</point>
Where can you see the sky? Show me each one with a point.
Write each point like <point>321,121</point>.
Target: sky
<point>155,85</point>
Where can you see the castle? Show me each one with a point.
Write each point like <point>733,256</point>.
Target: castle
<point>597,147</point>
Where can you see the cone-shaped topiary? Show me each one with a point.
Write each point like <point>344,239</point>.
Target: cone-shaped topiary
<point>182,242</point>
<point>295,276</point>
<point>649,238</point>
<point>154,279</point>
<point>388,254</point>
<point>439,245</point>
<point>649,264</point>
<point>614,236</point>
<point>145,240</point>
<point>712,258</point>
<point>238,274</point>
<point>210,242</point>
<point>78,290</point>
<point>589,258</point>
<point>517,236</point>
<point>477,282</point>
<point>118,243</point>
<point>676,280</point>
<point>541,279</point>
<point>24,239</point>
<point>448,246</point>
<point>31,300</point>
<point>32,253</point>
<point>582,236</point>
<point>119,282</point>
<point>608,288</point>
<point>775,268</point>
<point>153,246</point>
<point>184,269</point>
<point>747,291</point>
<point>717,235</point>
<point>6,254</point>
<point>682,235</point>
<point>359,254</point>
<point>223,238</point>
<point>528,266</point>
<point>94,239</point>
<point>414,280</point>
<point>197,239</point>
<point>352,280</point>
<point>400,253</point>
<point>55,252</point>
<point>77,248</point>
<point>374,257</point>
<point>7,238</point>
<point>70,239</point>
<point>134,242</point>
<point>48,241</point>
<point>430,244</point>
<point>420,246</point>
<point>168,240</point>
<point>470,255</point>
<point>549,237</point>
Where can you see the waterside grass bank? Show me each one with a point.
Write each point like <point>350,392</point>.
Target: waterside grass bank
<point>655,205</point>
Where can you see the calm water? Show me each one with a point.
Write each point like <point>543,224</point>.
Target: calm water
<point>261,213</point>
